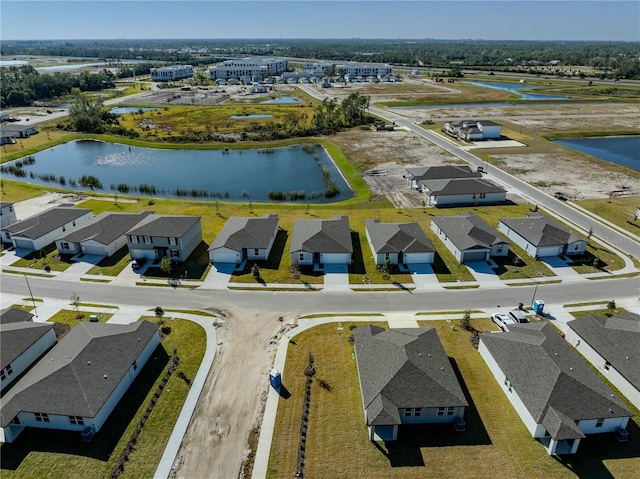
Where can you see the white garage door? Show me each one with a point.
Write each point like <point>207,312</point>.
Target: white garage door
<point>225,257</point>
<point>95,249</point>
<point>474,256</point>
<point>23,243</point>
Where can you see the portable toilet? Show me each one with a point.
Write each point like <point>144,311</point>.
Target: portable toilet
<point>275,378</point>
<point>538,306</point>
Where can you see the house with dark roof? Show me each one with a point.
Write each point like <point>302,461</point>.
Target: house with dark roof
<point>473,129</point>
<point>405,378</point>
<point>102,236</point>
<point>320,242</point>
<point>612,345</point>
<point>21,344</point>
<point>40,230</point>
<point>462,192</point>
<point>15,130</point>
<point>400,243</point>
<point>77,384</point>
<point>243,238</point>
<point>469,237</point>
<point>159,236</point>
<point>7,214</point>
<point>415,176</point>
<point>540,236</point>
<point>14,315</point>
<point>559,398</point>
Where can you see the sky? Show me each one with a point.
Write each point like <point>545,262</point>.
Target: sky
<point>413,19</point>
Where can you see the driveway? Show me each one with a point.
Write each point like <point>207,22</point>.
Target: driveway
<point>482,272</point>
<point>561,268</point>
<point>77,270</point>
<point>423,277</point>
<point>336,277</point>
<point>218,276</point>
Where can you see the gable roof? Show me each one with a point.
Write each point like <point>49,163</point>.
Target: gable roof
<point>17,337</point>
<point>14,315</point>
<point>250,233</point>
<point>616,339</point>
<point>322,236</point>
<point>468,231</point>
<point>106,227</point>
<point>398,237</point>
<point>45,222</point>
<point>540,230</point>
<point>443,171</point>
<point>461,186</point>
<point>403,368</point>
<point>4,204</point>
<point>548,373</point>
<point>165,226</point>
<point>78,375</point>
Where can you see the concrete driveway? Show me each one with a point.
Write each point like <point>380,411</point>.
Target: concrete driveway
<point>423,276</point>
<point>482,272</point>
<point>561,269</point>
<point>218,276</point>
<point>76,270</point>
<point>336,277</point>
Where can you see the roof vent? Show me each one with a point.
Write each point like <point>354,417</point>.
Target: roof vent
<point>611,410</point>
<point>555,354</point>
<point>420,354</point>
<point>89,363</point>
<point>441,368</point>
<point>570,369</point>
<point>429,354</point>
<point>105,376</point>
<point>627,357</point>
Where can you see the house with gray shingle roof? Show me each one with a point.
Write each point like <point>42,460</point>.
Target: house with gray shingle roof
<point>159,236</point>
<point>400,243</point>
<point>415,176</point>
<point>7,214</point>
<point>540,236</point>
<point>559,398</point>
<point>612,345</point>
<point>462,191</point>
<point>473,129</point>
<point>405,378</point>
<point>319,242</point>
<point>469,237</point>
<point>40,230</point>
<point>77,384</point>
<point>14,315</point>
<point>243,238</point>
<point>22,342</point>
<point>102,236</point>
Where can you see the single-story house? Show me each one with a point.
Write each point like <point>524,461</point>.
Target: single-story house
<point>6,139</point>
<point>473,129</point>
<point>405,378</point>
<point>40,230</point>
<point>157,236</point>
<point>462,191</point>
<point>102,236</point>
<point>565,399</point>
<point>469,237</point>
<point>540,236</point>
<point>21,344</point>
<point>319,242</point>
<point>244,238</point>
<point>14,130</point>
<point>612,345</point>
<point>14,315</point>
<point>415,176</point>
<point>77,384</point>
<point>7,214</point>
<point>400,243</point>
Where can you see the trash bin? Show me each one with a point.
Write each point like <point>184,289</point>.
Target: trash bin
<point>538,306</point>
<point>275,378</point>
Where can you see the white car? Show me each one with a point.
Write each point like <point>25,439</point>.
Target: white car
<point>503,321</point>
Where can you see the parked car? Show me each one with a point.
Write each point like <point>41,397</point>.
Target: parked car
<point>137,263</point>
<point>503,321</point>
<point>518,316</point>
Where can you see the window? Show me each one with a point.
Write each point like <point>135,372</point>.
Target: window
<point>301,256</point>
<point>483,195</point>
<point>600,422</point>
<point>408,412</point>
<point>74,223</point>
<point>76,421</point>
<point>135,365</point>
<point>16,421</point>
<point>65,245</point>
<point>445,411</point>
<point>134,239</point>
<point>41,417</point>
<point>576,247</point>
<point>256,252</point>
<point>412,412</point>
<point>175,253</point>
<point>8,371</point>
<point>507,384</point>
<point>417,412</point>
<point>386,256</point>
<point>64,228</point>
<point>147,240</point>
<point>3,376</point>
<point>173,241</point>
<point>607,365</point>
<point>473,197</point>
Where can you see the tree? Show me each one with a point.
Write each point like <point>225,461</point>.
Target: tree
<point>88,116</point>
<point>75,302</point>
<point>255,270</point>
<point>166,265</point>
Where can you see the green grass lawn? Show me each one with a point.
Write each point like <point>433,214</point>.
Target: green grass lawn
<point>68,316</point>
<point>40,453</point>
<point>619,211</point>
<point>113,265</point>
<point>47,256</point>
<point>496,443</point>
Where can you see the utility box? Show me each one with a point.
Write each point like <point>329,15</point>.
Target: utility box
<point>538,306</point>
<point>275,378</point>
<point>93,318</point>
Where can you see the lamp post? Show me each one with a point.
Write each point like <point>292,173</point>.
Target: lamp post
<point>31,294</point>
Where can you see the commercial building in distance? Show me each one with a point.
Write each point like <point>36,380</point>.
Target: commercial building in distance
<point>250,68</point>
<point>172,73</point>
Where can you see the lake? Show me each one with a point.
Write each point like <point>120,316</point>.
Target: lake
<point>515,88</point>
<point>122,110</point>
<point>231,175</point>
<point>621,150</point>
<point>281,99</point>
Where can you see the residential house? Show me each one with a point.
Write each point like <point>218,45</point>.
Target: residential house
<point>415,176</point>
<point>612,345</point>
<point>540,236</point>
<point>102,236</point>
<point>400,243</point>
<point>77,384</point>
<point>462,191</point>
<point>473,129</point>
<point>40,230</point>
<point>559,398</point>
<point>469,237</point>
<point>15,130</point>
<point>405,378</point>
<point>157,236</point>
<point>319,242</point>
<point>21,344</point>
<point>7,214</point>
<point>14,315</point>
<point>244,238</point>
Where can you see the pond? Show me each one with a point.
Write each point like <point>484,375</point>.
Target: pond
<point>282,99</point>
<point>255,115</point>
<point>515,88</point>
<point>122,110</point>
<point>621,150</point>
<point>230,175</point>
